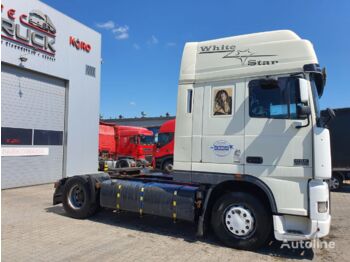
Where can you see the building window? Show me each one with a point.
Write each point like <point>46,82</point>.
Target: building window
<point>222,101</point>
<point>90,70</point>
<point>48,137</point>
<point>270,98</point>
<point>16,136</point>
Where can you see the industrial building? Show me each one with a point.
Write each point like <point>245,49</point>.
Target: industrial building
<point>50,85</point>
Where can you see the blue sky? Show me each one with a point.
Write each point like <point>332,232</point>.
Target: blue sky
<point>142,43</point>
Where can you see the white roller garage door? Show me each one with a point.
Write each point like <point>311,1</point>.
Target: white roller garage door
<point>32,124</point>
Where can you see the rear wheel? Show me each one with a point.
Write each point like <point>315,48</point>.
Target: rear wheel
<point>77,199</point>
<point>241,221</point>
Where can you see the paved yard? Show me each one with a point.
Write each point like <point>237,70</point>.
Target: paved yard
<point>34,230</point>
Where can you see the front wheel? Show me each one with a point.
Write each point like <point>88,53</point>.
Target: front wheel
<point>168,166</point>
<point>241,221</point>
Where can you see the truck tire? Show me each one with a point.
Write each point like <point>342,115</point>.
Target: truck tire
<point>122,163</point>
<point>336,182</point>
<point>241,221</point>
<point>77,200</point>
<point>168,166</point>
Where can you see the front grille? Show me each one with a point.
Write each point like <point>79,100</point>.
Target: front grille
<point>149,158</point>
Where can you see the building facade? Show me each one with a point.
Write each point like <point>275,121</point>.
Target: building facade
<point>50,85</point>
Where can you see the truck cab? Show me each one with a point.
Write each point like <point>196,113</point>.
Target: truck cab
<point>117,144</point>
<point>164,148</point>
<point>135,142</point>
<point>248,114</point>
<point>106,137</point>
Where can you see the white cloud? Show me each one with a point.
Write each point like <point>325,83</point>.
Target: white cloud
<point>153,41</point>
<point>132,103</point>
<point>122,36</point>
<point>107,25</point>
<point>120,32</point>
<point>170,44</point>
<point>136,46</point>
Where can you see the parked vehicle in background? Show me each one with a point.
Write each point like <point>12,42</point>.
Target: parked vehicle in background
<point>163,156</point>
<point>339,129</point>
<point>251,155</point>
<point>124,146</point>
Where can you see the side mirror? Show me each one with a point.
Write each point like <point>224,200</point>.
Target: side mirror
<point>329,117</point>
<point>330,113</point>
<point>303,90</point>
<point>303,111</point>
<point>324,76</point>
<point>136,140</point>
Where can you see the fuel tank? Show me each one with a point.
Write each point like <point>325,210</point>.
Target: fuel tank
<point>154,198</point>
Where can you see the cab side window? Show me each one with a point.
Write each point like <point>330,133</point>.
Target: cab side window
<point>165,138</point>
<point>277,99</point>
<point>133,140</point>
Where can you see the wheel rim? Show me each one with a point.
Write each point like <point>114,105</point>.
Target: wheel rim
<point>168,167</point>
<point>76,197</point>
<point>239,221</point>
<point>334,183</point>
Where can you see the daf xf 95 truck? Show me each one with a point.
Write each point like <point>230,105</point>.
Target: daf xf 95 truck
<point>251,155</point>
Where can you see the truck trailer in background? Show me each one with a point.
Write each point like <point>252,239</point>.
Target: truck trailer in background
<point>251,155</point>
<point>124,146</point>
<point>339,128</point>
<point>163,156</point>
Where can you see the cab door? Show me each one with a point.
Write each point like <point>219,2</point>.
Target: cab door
<point>278,150</point>
<point>218,127</point>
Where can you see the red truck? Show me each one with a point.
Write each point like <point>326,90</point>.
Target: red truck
<point>125,146</point>
<point>164,148</point>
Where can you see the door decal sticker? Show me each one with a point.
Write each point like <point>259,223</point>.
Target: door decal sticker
<point>222,148</point>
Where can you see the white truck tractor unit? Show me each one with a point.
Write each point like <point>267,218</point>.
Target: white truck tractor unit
<point>251,151</point>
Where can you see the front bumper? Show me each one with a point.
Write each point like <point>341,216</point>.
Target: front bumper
<point>316,225</point>
<point>289,228</point>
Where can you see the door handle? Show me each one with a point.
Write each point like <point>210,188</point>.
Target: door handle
<point>254,159</point>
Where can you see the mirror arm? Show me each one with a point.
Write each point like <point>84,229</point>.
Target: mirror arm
<point>307,124</point>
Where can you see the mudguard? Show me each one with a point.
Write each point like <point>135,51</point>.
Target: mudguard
<point>91,178</point>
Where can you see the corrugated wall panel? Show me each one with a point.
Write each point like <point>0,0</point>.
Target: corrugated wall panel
<point>34,101</point>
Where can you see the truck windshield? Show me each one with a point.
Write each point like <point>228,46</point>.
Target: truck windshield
<point>146,140</point>
<point>164,138</point>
